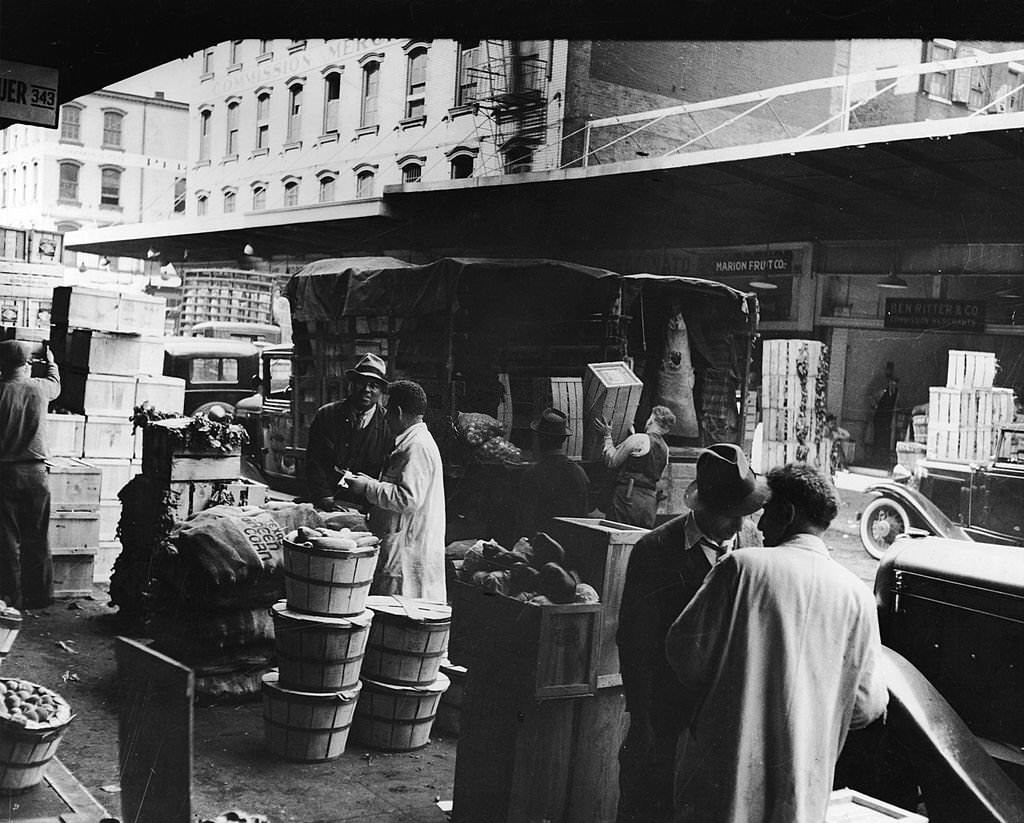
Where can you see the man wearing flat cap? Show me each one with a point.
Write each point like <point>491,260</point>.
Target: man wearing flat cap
<point>554,486</point>
<point>26,567</point>
<point>349,434</point>
<point>666,568</point>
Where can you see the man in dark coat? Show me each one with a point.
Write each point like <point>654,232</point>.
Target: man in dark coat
<point>665,570</point>
<point>349,434</point>
<point>26,567</point>
<point>555,486</point>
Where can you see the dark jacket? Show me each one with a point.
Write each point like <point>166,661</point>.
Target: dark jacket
<point>334,441</point>
<point>23,404</point>
<point>554,487</point>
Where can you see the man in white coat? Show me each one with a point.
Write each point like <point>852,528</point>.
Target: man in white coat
<point>778,654</point>
<point>407,503</point>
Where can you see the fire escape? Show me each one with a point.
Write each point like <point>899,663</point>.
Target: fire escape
<point>512,78</point>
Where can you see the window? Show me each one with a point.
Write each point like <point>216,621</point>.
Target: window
<point>416,85</point>
<point>327,189</point>
<point>371,88</point>
<point>24,184</point>
<point>1015,102</point>
<point>291,193</point>
<point>202,204</point>
<point>229,202</point>
<point>294,112</point>
<point>332,100</point>
<point>69,182</point>
<point>110,187</point>
<point>35,182</point>
<point>112,122</point>
<point>412,173</point>
<point>939,83</point>
<point>233,52</point>
<point>207,61</point>
<point>259,197</point>
<point>231,147</point>
<point>469,63</point>
<point>179,195</point>
<point>364,184</point>
<point>981,87</point>
<point>266,47</point>
<point>14,186</point>
<point>71,123</point>
<point>518,159</point>
<point>213,370</point>
<point>528,68</point>
<point>205,117</point>
<point>263,120</point>
<point>3,190</point>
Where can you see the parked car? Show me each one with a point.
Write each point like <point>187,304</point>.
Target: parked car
<point>235,330</point>
<point>216,371</point>
<point>960,501</point>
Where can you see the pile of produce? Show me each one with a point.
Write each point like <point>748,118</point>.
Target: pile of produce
<point>533,571</point>
<point>30,705</point>
<point>212,430</point>
<point>484,434</point>
<point>344,539</point>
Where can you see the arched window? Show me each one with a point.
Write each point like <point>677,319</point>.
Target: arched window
<point>291,193</point>
<point>518,158</point>
<point>205,120</point>
<point>294,112</point>
<point>179,195</point>
<point>110,187</point>
<point>112,129</point>
<point>259,197</point>
<point>327,193</point>
<point>332,101</point>
<point>365,183</point>
<point>371,91</point>
<point>69,181</point>
<point>71,123</point>
<point>231,146</point>
<point>229,202</point>
<point>462,160</point>
<point>416,83</point>
<point>263,120</point>
<point>202,204</point>
<point>412,173</point>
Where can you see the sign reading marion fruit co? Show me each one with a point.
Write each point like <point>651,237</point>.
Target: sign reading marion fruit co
<point>941,315</point>
<point>28,94</point>
<point>718,264</point>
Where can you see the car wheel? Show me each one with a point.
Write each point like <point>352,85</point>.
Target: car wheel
<point>228,407</point>
<point>882,521</point>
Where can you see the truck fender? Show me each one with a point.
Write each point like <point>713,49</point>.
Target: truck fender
<point>922,511</point>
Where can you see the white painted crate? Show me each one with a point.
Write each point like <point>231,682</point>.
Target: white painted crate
<point>108,436</point>
<point>141,314</point>
<point>103,352</point>
<point>151,355</point>
<point>971,369</point>
<point>115,472</point>
<point>103,562</point>
<point>93,393</point>
<point>65,434</point>
<point>110,515</point>
<point>81,307</point>
<point>963,423</point>
<point>166,394</point>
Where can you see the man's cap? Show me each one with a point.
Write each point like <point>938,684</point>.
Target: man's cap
<point>725,484</point>
<point>369,366</point>
<point>13,353</point>
<point>551,423</point>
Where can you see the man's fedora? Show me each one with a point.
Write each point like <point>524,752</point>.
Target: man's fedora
<point>369,366</point>
<point>551,423</point>
<point>725,483</point>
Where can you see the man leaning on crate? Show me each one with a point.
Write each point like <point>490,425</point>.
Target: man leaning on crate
<point>350,434</point>
<point>26,568</point>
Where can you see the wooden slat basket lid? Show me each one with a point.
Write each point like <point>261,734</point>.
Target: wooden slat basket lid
<point>408,640</point>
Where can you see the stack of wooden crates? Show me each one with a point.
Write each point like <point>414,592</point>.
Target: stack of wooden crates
<point>109,347</point>
<point>794,376</point>
<point>964,415</point>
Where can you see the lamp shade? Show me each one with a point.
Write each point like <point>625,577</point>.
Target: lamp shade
<point>892,281</point>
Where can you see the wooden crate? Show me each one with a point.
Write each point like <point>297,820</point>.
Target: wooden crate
<point>73,570</point>
<point>779,452</point>
<point>164,393</point>
<point>556,647</point>
<point>599,551</point>
<point>115,472</point>
<point>93,393</point>
<point>566,395</point>
<point>75,529</point>
<point>611,391</point>
<point>964,423</point>
<point>971,369</point>
<point>141,314</point>
<point>73,483</point>
<point>193,496</point>
<point>65,434</point>
<point>88,350</point>
<point>103,562</point>
<point>151,355</point>
<point>108,436</point>
<point>78,306</point>
<point>164,457</point>
<point>110,514</point>
<point>791,372</point>
<point>851,806</point>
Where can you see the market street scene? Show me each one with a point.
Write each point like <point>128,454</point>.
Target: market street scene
<point>516,431</point>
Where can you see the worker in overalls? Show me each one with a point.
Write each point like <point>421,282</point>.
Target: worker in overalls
<point>639,462</point>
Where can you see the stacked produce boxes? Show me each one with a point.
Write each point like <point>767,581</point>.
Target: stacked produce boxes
<point>109,347</point>
<point>793,402</point>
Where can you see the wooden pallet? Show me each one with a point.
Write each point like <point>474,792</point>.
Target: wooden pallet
<point>971,369</point>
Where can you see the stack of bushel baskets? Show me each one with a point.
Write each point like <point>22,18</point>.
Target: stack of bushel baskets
<point>321,631</point>
<point>109,346</point>
<point>402,681</point>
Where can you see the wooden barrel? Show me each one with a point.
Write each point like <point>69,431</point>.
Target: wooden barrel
<point>397,718</point>
<point>449,710</point>
<point>310,727</point>
<point>25,750</point>
<point>10,625</point>
<point>319,654</point>
<point>408,640</point>
<point>328,582</point>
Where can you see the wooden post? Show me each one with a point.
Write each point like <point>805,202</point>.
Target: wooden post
<point>154,735</point>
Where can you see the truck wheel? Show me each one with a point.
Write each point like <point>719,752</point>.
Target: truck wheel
<point>882,521</point>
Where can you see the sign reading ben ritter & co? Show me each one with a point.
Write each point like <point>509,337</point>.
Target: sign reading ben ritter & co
<point>941,315</point>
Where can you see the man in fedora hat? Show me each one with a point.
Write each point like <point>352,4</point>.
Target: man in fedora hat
<point>778,656</point>
<point>666,568</point>
<point>349,434</point>
<point>638,463</point>
<point>26,567</point>
<point>554,486</point>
